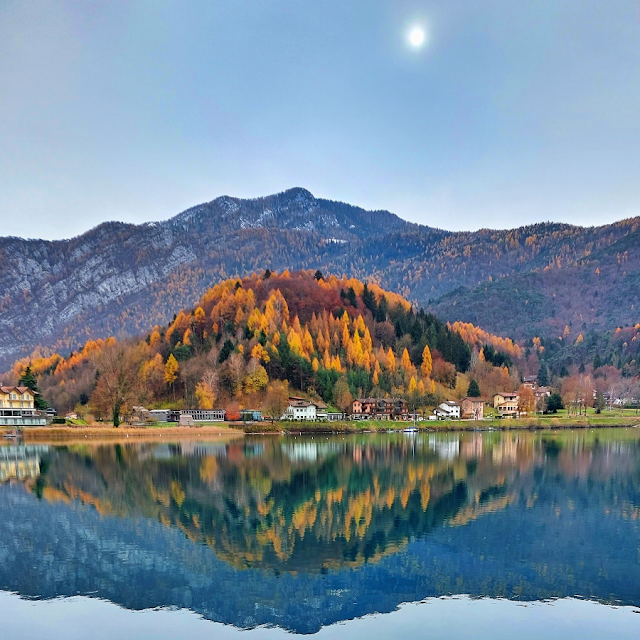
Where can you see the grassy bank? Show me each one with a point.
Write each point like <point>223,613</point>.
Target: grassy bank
<point>541,422</point>
<point>108,432</point>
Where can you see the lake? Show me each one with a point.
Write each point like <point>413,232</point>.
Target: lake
<point>456,535</point>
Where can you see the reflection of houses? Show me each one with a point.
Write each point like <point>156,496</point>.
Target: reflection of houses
<point>472,447</point>
<point>448,410</point>
<point>448,449</point>
<point>379,409</point>
<point>20,462</point>
<point>472,408</point>
<point>506,404</point>
<point>17,408</point>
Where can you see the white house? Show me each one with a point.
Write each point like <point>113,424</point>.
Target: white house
<point>300,409</point>
<point>448,410</point>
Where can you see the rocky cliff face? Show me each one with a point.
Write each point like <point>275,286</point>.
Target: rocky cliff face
<point>120,279</point>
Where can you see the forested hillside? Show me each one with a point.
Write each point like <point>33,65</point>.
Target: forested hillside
<point>250,342</point>
<point>119,278</point>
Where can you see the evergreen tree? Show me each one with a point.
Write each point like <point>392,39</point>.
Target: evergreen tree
<point>543,376</point>
<point>554,403</point>
<point>381,314</point>
<point>474,390</point>
<point>28,379</point>
<point>369,300</point>
<point>318,275</point>
<point>225,352</point>
<point>597,362</point>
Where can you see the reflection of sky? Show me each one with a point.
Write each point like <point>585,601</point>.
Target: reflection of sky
<point>436,619</point>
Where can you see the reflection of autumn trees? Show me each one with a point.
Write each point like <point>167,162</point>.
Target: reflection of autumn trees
<point>312,505</point>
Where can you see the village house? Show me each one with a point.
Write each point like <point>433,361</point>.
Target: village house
<point>379,409</point>
<point>300,409</point>
<point>17,407</point>
<point>507,404</point>
<point>472,408</point>
<point>448,410</point>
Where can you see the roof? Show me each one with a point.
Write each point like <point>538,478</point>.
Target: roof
<point>506,394</point>
<point>450,403</point>
<point>18,389</point>
<point>300,403</point>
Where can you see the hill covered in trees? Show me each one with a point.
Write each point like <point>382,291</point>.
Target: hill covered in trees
<point>329,338</point>
<point>118,279</point>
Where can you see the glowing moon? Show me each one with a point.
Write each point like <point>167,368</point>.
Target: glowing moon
<point>416,37</point>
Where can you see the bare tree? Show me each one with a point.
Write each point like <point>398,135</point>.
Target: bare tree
<point>277,399</point>
<point>116,381</point>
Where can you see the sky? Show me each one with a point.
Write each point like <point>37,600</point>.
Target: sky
<point>509,113</point>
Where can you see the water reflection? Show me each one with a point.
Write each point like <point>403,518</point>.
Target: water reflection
<point>302,532</point>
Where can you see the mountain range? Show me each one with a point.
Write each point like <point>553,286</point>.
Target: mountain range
<point>119,279</point>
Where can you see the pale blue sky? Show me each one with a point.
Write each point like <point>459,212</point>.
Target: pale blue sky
<point>513,112</point>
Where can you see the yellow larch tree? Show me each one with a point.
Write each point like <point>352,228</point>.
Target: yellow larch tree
<point>391,360</point>
<point>427,362</point>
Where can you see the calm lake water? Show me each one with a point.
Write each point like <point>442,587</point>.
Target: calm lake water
<point>484,535</point>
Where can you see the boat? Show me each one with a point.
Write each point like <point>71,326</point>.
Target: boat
<point>13,434</point>
<point>411,430</point>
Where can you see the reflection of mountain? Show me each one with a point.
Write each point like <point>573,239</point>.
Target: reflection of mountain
<point>515,516</point>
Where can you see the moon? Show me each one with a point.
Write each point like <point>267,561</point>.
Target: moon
<point>416,37</point>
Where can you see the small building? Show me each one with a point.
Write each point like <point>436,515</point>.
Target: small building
<point>507,404</point>
<point>379,409</point>
<point>321,411</point>
<point>472,408</point>
<point>205,415</point>
<point>448,410</point>
<point>17,408</point>
<point>159,415</point>
<point>335,416</point>
<point>300,409</point>
<point>251,415</point>
<point>140,414</point>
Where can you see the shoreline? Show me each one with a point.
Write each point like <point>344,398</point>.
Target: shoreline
<point>64,433</point>
<point>108,434</point>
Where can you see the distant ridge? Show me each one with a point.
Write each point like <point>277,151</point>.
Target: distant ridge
<point>119,278</point>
